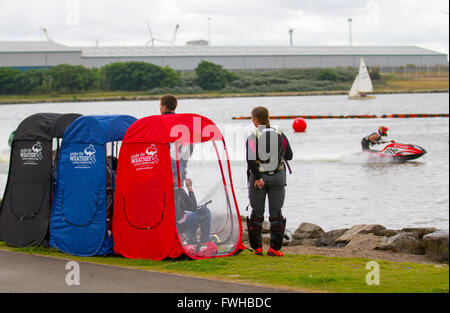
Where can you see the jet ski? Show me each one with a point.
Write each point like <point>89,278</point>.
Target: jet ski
<point>398,152</point>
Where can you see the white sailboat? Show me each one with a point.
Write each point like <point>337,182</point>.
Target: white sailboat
<point>362,84</point>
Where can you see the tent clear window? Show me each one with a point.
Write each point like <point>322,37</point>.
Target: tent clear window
<point>211,228</point>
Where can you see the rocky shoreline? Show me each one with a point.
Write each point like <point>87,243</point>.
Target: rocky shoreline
<point>419,245</point>
<point>423,245</point>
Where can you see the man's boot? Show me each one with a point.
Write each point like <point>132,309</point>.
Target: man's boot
<point>277,228</point>
<point>254,226</point>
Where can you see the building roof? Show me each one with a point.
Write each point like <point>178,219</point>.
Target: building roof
<point>142,51</point>
<point>200,50</point>
<point>34,46</point>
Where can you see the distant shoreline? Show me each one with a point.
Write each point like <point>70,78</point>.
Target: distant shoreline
<point>11,100</point>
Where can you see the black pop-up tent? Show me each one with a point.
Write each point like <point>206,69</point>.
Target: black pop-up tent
<point>27,201</point>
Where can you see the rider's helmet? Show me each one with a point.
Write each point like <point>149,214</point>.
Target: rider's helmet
<point>382,130</point>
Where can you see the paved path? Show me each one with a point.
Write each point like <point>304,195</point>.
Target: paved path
<point>20,272</point>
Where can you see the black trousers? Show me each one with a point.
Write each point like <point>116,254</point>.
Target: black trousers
<point>274,190</point>
<point>365,144</point>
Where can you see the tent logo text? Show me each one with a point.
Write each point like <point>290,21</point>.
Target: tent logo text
<point>149,157</point>
<point>86,157</point>
<point>33,154</point>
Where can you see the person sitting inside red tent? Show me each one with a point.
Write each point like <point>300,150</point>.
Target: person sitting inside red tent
<point>190,217</point>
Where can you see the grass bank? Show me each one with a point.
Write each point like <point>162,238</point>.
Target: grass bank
<point>414,84</point>
<point>388,85</point>
<point>295,272</point>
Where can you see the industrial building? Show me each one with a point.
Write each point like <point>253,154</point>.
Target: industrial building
<point>38,54</point>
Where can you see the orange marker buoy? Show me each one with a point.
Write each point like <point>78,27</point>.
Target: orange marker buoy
<point>299,125</point>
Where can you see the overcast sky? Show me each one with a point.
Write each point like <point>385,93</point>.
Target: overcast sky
<point>229,22</point>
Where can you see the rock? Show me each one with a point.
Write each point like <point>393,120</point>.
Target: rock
<point>289,239</point>
<point>301,242</point>
<point>265,228</point>
<point>266,239</point>
<point>244,235</point>
<point>436,245</point>
<point>420,232</point>
<point>403,242</point>
<point>308,231</point>
<point>388,232</point>
<point>287,235</point>
<point>364,242</point>
<point>360,229</point>
<point>292,242</point>
<point>309,242</point>
<point>329,238</point>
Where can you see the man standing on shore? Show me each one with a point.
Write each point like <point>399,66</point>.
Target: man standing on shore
<point>168,104</point>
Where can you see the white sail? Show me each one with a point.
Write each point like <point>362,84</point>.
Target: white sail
<point>365,84</point>
<point>362,83</point>
<point>354,91</point>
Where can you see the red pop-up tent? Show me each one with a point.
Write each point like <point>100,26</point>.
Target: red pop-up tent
<point>155,217</point>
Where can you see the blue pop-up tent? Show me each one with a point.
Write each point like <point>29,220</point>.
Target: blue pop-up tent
<point>78,222</point>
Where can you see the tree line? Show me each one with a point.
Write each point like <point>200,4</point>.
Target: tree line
<point>147,77</point>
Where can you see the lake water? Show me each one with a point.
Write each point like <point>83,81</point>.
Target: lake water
<point>330,185</point>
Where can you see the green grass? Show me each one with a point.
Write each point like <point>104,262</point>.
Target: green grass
<point>130,96</point>
<point>392,84</point>
<point>297,272</point>
<point>78,96</point>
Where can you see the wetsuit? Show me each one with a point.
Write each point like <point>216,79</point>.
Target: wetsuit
<point>260,145</point>
<point>366,143</point>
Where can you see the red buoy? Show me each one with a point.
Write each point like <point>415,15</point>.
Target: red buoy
<point>299,125</point>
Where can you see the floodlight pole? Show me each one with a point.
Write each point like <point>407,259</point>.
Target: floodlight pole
<point>350,31</point>
<point>291,37</point>
<point>209,30</point>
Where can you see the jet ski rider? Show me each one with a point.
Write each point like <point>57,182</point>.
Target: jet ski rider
<point>375,138</point>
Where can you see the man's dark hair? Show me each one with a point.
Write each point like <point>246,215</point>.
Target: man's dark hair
<point>262,115</point>
<point>169,101</point>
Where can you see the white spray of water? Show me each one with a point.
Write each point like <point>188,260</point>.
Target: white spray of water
<point>4,161</point>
